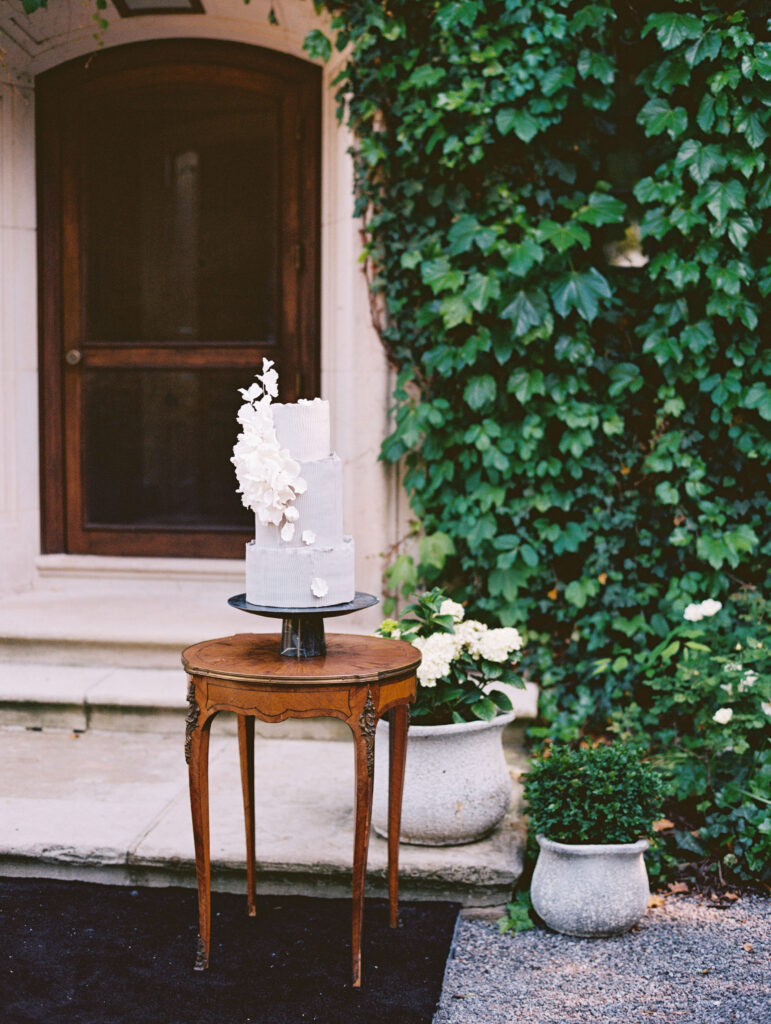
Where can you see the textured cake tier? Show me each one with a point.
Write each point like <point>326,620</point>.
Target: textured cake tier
<point>320,508</point>
<point>282,577</point>
<point>303,428</point>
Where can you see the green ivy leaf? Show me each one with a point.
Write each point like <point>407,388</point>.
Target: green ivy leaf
<point>524,383</point>
<point>672,28</point>
<point>481,289</point>
<point>524,256</point>
<point>724,196</point>
<point>657,116</point>
<point>317,45</point>
<point>523,124</point>
<point>455,310</point>
<point>580,291</point>
<point>440,276</point>
<point>525,310</point>
<point>601,208</point>
<point>623,377</point>
<point>480,391</point>
<point>434,549</point>
<point>759,397</point>
<point>466,231</point>
<point>563,236</point>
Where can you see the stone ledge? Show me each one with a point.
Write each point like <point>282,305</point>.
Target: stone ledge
<point>111,807</point>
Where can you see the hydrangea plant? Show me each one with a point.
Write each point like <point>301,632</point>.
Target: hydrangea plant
<point>467,671</point>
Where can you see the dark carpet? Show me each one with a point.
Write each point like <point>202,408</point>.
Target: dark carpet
<point>75,953</point>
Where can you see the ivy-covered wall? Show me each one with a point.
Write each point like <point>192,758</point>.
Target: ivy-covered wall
<point>586,439</point>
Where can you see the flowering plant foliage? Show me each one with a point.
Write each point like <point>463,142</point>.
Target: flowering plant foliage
<point>268,477</point>
<point>467,668</point>
<point>704,708</point>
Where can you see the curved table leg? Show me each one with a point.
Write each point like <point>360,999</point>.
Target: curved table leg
<point>399,719</point>
<point>197,747</point>
<point>246,755</point>
<point>363,728</point>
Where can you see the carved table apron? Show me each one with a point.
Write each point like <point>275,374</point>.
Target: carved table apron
<point>359,679</point>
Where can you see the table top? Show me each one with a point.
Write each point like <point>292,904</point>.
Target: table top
<point>255,658</point>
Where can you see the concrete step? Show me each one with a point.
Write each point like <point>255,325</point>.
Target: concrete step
<point>81,697</point>
<point>113,807</point>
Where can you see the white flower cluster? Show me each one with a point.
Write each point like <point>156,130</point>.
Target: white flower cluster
<point>439,651</point>
<point>474,638</point>
<point>705,610</point>
<point>268,477</point>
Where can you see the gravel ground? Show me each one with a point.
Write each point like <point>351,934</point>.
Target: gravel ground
<point>687,962</point>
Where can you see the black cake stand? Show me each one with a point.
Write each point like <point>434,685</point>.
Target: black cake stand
<point>302,629</point>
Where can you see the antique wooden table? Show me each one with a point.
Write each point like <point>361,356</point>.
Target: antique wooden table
<point>357,680</point>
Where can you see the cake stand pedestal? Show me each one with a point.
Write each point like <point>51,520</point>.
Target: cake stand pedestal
<point>302,629</point>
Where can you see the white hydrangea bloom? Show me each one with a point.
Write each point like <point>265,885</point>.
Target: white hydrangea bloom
<point>449,607</point>
<point>470,635</point>
<point>723,716</point>
<point>693,613</point>
<point>497,644</point>
<point>269,478</point>
<point>765,707</point>
<point>438,650</point>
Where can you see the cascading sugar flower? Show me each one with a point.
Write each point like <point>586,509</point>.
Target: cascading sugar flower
<point>269,478</point>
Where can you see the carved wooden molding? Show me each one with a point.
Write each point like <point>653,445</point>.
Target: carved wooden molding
<point>368,724</point>
<point>191,719</point>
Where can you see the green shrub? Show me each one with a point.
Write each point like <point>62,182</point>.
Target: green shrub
<point>703,710</point>
<point>603,794</point>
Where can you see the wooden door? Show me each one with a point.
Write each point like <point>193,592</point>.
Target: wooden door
<point>179,223</point>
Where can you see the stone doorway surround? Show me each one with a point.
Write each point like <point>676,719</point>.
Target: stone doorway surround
<point>354,372</point>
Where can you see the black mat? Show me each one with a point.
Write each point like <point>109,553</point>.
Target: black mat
<point>72,953</point>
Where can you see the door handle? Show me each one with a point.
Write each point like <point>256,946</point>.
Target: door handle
<point>73,357</point>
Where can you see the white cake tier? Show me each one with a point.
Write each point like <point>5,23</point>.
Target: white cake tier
<point>303,428</point>
<point>284,577</point>
<point>320,508</point>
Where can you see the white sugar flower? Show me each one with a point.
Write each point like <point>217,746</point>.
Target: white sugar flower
<point>449,607</point>
<point>268,477</point>
<point>723,716</point>
<point>319,587</point>
<point>287,531</point>
<point>291,514</point>
<point>309,537</point>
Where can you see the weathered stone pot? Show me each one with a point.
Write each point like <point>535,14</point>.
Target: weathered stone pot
<point>590,890</point>
<point>457,786</point>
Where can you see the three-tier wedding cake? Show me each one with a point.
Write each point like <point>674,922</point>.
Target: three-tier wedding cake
<point>293,482</point>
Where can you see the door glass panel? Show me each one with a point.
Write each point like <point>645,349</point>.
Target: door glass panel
<point>158,446</point>
<point>181,203</point>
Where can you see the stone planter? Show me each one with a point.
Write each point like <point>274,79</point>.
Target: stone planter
<point>590,890</point>
<point>457,785</point>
